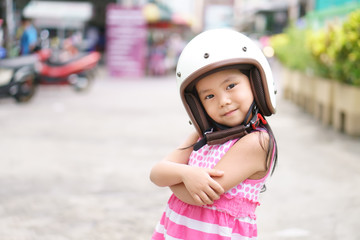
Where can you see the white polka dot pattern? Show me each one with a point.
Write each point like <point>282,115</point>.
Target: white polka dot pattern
<point>209,155</point>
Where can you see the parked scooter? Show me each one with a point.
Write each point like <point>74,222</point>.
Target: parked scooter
<point>18,76</point>
<point>77,70</point>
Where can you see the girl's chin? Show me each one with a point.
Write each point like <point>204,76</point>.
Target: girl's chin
<point>232,124</point>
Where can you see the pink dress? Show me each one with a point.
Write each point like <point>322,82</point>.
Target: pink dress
<point>230,217</point>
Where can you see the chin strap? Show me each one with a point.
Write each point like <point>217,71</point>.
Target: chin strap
<point>223,135</point>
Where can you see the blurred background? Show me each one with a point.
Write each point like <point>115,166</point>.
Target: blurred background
<point>88,103</point>
<point>163,28</point>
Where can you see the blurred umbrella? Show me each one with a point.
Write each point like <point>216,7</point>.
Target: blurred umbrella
<point>59,14</point>
<point>151,13</point>
<point>157,12</point>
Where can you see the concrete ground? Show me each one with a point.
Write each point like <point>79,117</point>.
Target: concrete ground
<point>75,166</point>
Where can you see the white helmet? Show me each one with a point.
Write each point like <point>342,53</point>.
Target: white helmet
<point>219,49</point>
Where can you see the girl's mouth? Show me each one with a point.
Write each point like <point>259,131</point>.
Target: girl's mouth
<point>229,112</point>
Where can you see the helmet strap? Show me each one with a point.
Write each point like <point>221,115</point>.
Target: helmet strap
<point>252,110</point>
<point>225,133</point>
<point>222,136</point>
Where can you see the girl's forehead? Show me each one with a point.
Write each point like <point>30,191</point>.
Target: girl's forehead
<point>218,77</point>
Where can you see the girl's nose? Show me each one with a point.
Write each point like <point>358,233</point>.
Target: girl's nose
<point>224,100</point>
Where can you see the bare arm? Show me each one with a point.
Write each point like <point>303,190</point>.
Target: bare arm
<point>245,160</point>
<point>198,186</point>
<point>169,171</point>
<point>197,182</point>
<point>183,194</point>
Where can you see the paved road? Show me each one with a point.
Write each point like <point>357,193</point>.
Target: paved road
<point>75,166</point>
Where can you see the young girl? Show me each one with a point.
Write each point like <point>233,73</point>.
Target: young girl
<point>217,174</point>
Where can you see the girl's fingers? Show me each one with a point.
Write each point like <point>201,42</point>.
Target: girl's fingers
<point>217,187</point>
<point>198,199</point>
<point>212,194</point>
<point>215,173</point>
<point>208,196</point>
<point>205,198</point>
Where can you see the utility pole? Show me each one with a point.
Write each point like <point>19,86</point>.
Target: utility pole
<point>10,25</point>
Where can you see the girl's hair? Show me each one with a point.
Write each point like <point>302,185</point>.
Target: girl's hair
<point>272,146</point>
<point>272,150</point>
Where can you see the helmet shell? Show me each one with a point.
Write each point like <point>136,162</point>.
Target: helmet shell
<point>217,49</point>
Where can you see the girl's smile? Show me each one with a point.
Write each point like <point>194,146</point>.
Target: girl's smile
<point>226,96</point>
<point>229,113</point>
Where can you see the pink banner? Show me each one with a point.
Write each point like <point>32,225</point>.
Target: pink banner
<point>125,41</point>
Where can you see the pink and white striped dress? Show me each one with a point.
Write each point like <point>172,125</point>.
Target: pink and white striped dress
<point>230,217</point>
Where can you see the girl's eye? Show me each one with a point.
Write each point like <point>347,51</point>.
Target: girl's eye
<point>209,96</point>
<point>231,86</point>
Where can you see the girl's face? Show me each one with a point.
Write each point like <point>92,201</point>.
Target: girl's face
<point>226,96</point>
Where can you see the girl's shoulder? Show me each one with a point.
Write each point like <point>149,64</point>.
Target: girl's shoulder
<point>255,140</point>
<point>251,150</point>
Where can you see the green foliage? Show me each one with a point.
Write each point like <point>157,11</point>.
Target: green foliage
<point>290,48</point>
<point>321,44</point>
<point>347,53</point>
<point>333,52</point>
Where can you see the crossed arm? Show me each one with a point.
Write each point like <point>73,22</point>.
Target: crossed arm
<point>201,186</point>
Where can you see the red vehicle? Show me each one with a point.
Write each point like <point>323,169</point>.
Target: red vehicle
<point>77,70</point>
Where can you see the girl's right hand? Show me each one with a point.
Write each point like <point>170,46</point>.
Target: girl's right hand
<point>200,184</point>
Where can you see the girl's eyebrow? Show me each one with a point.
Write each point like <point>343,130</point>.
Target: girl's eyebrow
<point>204,91</point>
<point>228,79</point>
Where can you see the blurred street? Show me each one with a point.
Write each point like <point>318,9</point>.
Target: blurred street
<point>75,166</point>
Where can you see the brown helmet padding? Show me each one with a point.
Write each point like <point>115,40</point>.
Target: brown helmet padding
<point>197,111</point>
<point>258,91</point>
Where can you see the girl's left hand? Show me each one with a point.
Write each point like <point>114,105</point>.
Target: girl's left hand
<point>201,186</point>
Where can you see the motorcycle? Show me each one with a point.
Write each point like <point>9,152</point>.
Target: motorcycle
<point>18,75</point>
<point>77,70</point>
